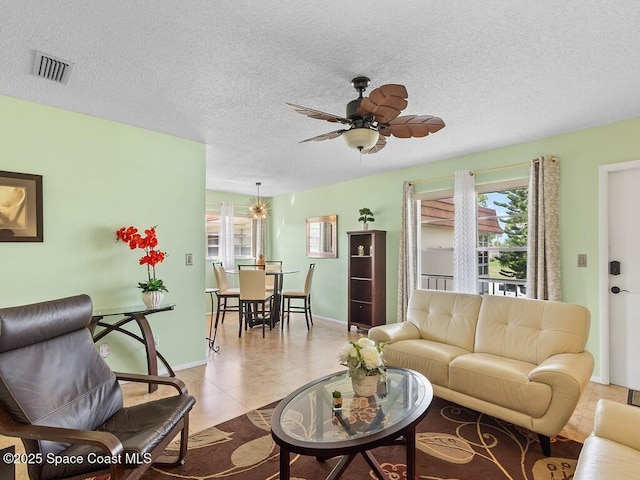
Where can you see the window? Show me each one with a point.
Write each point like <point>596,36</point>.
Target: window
<point>501,239</point>
<point>243,234</point>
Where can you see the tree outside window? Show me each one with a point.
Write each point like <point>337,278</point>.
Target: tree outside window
<point>501,242</point>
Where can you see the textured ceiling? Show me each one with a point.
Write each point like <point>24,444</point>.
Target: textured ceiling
<point>498,72</point>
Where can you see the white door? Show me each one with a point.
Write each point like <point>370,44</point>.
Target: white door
<point>624,288</point>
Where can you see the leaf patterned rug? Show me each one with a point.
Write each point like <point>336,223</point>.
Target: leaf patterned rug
<point>453,442</point>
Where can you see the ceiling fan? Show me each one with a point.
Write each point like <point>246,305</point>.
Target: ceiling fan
<point>373,118</point>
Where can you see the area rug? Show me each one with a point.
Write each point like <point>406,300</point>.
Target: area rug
<point>453,442</point>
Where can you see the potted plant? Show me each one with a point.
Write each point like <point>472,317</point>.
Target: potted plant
<point>366,216</point>
<point>153,289</point>
<point>366,367</point>
<point>337,399</point>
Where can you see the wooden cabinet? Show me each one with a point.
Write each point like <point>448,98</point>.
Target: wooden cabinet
<point>367,302</point>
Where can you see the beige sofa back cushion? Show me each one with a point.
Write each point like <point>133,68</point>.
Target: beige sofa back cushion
<point>530,330</point>
<point>445,317</point>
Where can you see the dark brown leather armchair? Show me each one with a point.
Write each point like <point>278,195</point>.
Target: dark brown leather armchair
<point>60,397</point>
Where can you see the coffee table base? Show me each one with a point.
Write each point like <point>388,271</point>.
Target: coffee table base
<point>408,440</point>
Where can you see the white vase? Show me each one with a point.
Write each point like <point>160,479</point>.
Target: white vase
<point>365,386</point>
<point>365,226</point>
<point>152,299</point>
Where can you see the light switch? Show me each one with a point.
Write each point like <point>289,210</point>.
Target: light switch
<point>582,260</point>
<point>188,259</point>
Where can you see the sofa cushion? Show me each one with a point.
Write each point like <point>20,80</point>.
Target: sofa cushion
<point>530,330</point>
<point>429,358</point>
<point>499,380</point>
<point>445,317</point>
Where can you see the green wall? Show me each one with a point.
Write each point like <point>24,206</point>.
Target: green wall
<point>580,153</point>
<point>99,175</point>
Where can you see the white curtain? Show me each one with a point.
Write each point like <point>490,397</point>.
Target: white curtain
<point>465,257</point>
<point>226,236</point>
<point>260,237</point>
<point>408,266</point>
<point>543,254</point>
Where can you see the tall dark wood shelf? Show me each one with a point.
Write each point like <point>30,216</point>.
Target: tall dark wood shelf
<point>367,279</point>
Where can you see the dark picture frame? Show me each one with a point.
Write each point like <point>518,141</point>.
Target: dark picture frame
<point>20,207</point>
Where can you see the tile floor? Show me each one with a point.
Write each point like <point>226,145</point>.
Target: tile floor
<point>252,371</point>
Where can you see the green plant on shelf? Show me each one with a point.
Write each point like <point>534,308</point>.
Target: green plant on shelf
<point>366,215</point>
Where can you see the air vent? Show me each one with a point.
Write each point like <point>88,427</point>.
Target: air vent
<point>51,68</point>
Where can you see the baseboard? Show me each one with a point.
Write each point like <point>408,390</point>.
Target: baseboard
<point>163,371</point>
<point>330,320</point>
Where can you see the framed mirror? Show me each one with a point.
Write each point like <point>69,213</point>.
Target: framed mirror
<point>322,237</point>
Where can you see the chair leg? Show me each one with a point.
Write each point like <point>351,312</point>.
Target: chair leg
<point>220,307</point>
<point>306,311</point>
<point>309,308</point>
<point>288,310</point>
<point>240,318</point>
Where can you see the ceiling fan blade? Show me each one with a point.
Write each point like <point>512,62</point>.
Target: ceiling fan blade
<point>409,126</point>
<point>325,136</point>
<point>310,112</point>
<point>380,144</point>
<point>385,102</point>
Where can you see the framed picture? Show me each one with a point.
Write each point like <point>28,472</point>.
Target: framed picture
<point>20,207</point>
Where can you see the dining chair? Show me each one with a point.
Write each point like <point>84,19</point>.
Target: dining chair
<point>254,299</point>
<point>224,292</point>
<point>273,267</point>
<point>296,295</point>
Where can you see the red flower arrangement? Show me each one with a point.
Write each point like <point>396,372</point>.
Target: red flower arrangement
<point>151,257</point>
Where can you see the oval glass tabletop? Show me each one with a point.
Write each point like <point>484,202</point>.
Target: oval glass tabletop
<point>309,416</point>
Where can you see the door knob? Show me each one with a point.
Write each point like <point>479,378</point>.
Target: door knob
<point>617,290</point>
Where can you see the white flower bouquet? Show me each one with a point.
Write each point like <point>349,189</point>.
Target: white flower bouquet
<point>363,358</point>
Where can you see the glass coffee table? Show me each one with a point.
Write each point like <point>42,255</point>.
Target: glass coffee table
<point>306,423</point>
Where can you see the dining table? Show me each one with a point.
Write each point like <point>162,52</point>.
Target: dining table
<point>277,289</point>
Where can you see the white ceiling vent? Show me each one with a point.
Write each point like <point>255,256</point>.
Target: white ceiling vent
<point>51,68</point>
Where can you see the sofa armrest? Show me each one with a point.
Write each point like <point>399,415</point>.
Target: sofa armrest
<point>394,332</point>
<point>618,422</point>
<point>565,368</point>
<point>567,374</point>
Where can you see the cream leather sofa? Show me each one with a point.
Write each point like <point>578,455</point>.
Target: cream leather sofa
<point>517,359</point>
<point>613,449</point>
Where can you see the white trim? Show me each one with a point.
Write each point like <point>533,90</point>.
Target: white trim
<point>434,194</point>
<point>486,187</point>
<point>603,254</point>
<point>163,371</point>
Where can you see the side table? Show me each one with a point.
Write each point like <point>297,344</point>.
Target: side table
<point>136,314</point>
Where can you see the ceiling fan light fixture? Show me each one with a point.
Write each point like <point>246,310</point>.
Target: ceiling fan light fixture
<point>361,138</point>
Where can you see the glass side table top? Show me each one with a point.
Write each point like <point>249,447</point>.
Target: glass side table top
<point>308,415</point>
<point>131,310</point>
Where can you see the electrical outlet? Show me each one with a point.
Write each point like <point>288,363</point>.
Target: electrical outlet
<point>105,350</point>
<point>582,260</point>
